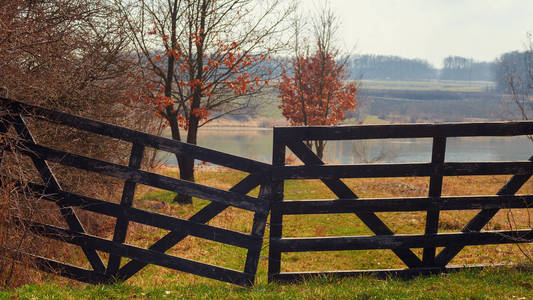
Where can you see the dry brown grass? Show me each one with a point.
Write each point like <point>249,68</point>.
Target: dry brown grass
<point>16,201</point>
<point>339,224</point>
<point>318,225</point>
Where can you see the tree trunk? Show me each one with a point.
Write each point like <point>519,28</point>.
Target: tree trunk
<point>319,147</point>
<point>185,164</point>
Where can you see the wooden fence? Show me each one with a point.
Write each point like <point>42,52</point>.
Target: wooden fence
<point>271,198</point>
<point>18,113</point>
<point>294,139</point>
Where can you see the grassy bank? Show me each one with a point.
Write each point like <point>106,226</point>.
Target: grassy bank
<point>156,282</point>
<point>488,284</point>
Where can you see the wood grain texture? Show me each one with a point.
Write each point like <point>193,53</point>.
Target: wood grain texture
<point>511,128</point>
<point>435,188</point>
<point>301,207</point>
<point>403,241</point>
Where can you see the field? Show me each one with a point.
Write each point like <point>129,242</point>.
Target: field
<point>404,102</point>
<point>439,85</point>
<point>159,283</point>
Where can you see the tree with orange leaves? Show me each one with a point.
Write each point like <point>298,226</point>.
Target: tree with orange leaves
<point>205,59</point>
<point>316,93</point>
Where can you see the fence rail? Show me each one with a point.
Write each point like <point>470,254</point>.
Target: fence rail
<point>17,115</point>
<point>295,138</point>
<point>271,179</point>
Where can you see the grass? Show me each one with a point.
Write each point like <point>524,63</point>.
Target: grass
<point>160,283</point>
<point>372,119</point>
<point>440,85</point>
<point>487,284</point>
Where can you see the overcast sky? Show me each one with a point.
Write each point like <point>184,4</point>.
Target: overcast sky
<point>433,29</point>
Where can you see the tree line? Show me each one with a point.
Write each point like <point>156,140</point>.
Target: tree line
<point>390,67</point>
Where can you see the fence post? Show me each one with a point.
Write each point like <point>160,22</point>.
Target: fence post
<point>258,230</point>
<point>276,218</point>
<point>121,225</point>
<point>435,189</point>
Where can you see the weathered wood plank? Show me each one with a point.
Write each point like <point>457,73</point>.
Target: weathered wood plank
<point>145,255</point>
<point>39,152</point>
<point>258,230</point>
<point>276,217</point>
<point>488,168</point>
<point>435,189</point>
<point>136,137</point>
<point>128,213</point>
<point>66,270</point>
<point>128,192</point>
<point>341,190</point>
<point>203,216</point>
<point>50,180</point>
<point>301,207</point>
<point>292,277</point>
<point>403,241</point>
<point>401,170</point>
<point>352,171</point>
<point>290,134</point>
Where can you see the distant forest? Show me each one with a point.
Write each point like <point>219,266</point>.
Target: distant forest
<point>381,67</point>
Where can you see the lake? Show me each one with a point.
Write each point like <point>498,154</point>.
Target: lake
<point>256,143</point>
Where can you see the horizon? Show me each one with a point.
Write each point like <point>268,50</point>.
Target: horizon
<point>478,29</point>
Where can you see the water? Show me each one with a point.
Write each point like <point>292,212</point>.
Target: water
<point>256,143</point>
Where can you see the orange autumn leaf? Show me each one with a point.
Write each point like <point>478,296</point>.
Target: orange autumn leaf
<point>315,93</point>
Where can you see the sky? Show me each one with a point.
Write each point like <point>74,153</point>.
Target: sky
<point>432,29</point>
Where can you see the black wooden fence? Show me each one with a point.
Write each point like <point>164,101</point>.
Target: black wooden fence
<point>125,213</point>
<point>365,209</point>
<point>271,179</point>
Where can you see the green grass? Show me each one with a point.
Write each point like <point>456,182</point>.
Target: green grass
<point>159,283</point>
<point>372,119</point>
<point>485,284</point>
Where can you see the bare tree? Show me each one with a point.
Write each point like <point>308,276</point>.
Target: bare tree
<point>205,59</point>
<point>516,77</point>
<point>67,55</point>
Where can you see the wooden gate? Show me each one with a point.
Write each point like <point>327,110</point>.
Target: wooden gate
<point>271,197</point>
<point>293,138</point>
<point>126,213</point>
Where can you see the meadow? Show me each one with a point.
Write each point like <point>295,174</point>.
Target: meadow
<point>429,85</point>
<point>380,101</point>
<point>159,283</point>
